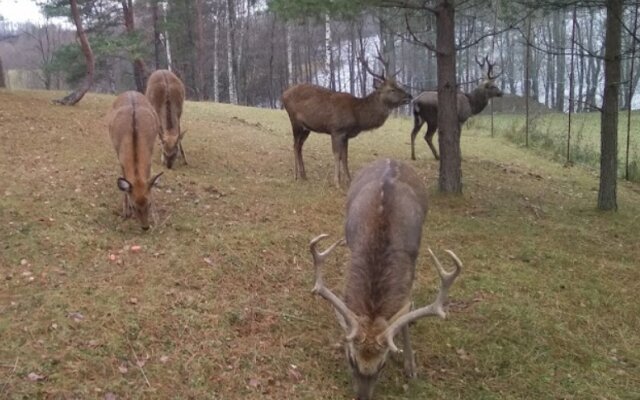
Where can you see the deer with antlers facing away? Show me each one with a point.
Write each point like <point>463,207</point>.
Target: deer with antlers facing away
<point>165,92</point>
<point>341,115</point>
<point>425,107</point>
<point>133,128</point>
<point>386,208</point>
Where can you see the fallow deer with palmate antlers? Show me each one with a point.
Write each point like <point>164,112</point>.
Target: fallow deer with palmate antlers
<point>341,115</point>
<point>165,92</point>
<point>386,208</point>
<point>133,128</point>
<point>425,107</point>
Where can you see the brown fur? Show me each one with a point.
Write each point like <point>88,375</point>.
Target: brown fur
<point>386,208</point>
<point>425,109</point>
<point>343,116</point>
<point>166,94</point>
<point>133,128</point>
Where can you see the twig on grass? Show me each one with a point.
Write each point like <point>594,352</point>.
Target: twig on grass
<point>138,363</point>
<point>13,370</point>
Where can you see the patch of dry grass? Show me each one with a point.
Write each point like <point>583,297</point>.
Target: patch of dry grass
<point>217,303</point>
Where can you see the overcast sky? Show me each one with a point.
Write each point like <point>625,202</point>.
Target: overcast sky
<point>20,11</point>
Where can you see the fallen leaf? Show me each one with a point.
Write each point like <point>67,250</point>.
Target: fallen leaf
<point>294,373</point>
<point>254,383</point>
<point>123,369</point>
<point>33,377</point>
<point>462,353</point>
<point>112,257</point>
<point>164,359</point>
<point>76,316</point>
<point>110,396</point>
<point>136,248</point>
<point>141,363</point>
<point>208,261</point>
<point>133,300</point>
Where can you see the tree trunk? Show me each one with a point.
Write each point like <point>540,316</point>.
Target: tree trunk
<point>157,43</point>
<point>352,60</point>
<point>2,82</point>
<point>233,96</point>
<point>200,52</point>
<point>290,78</point>
<point>559,42</point>
<point>328,53</point>
<point>138,65</point>
<point>167,43</point>
<point>450,180</point>
<point>609,118</point>
<point>75,96</point>
<point>216,34</point>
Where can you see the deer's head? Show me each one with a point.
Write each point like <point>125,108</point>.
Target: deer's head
<point>488,84</point>
<point>139,197</point>
<point>386,86</point>
<point>170,147</point>
<point>368,341</point>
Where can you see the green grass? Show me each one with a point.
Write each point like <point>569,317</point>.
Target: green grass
<point>548,135</point>
<point>217,303</point>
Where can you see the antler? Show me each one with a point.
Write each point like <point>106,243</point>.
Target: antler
<point>434,309</point>
<point>385,65</point>
<point>319,288</point>
<point>489,67</point>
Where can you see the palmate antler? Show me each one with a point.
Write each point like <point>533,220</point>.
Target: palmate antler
<point>318,261</point>
<point>434,309</point>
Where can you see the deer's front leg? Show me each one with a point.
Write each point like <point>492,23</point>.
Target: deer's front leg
<point>409,356</point>
<point>345,159</point>
<point>337,145</point>
<point>126,206</point>
<point>184,157</point>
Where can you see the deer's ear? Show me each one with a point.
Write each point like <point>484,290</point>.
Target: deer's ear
<point>124,185</point>
<point>377,83</point>
<point>154,180</point>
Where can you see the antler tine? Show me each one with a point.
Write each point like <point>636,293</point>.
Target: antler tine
<point>480,63</point>
<point>434,309</point>
<point>320,289</point>
<point>490,70</point>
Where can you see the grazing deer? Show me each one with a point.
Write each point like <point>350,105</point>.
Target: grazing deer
<point>386,208</point>
<point>165,92</point>
<point>425,107</point>
<point>343,116</point>
<point>134,127</point>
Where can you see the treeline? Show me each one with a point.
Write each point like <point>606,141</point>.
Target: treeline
<point>248,51</point>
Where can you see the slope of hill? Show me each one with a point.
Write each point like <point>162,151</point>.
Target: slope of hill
<point>216,302</point>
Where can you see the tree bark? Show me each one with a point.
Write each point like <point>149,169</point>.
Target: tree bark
<point>231,72</point>
<point>200,52</point>
<point>609,117</point>
<point>450,180</point>
<point>75,96</point>
<point>2,81</point>
<point>157,43</point>
<point>139,75</point>
<point>216,40</point>
<point>559,42</point>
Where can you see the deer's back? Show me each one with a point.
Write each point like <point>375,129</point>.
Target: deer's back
<point>426,104</point>
<point>133,128</point>
<point>164,86</point>
<point>386,208</point>
<point>319,109</point>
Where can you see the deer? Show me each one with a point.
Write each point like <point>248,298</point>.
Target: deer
<point>341,115</point>
<point>133,127</point>
<point>166,93</point>
<point>385,211</point>
<point>425,107</point>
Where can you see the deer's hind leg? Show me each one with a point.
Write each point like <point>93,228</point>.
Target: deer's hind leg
<point>300,134</point>
<point>428,136</point>
<point>417,124</point>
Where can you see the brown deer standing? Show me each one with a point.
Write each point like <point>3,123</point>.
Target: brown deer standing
<point>133,128</point>
<point>425,107</point>
<point>343,116</point>
<point>386,208</point>
<point>165,92</point>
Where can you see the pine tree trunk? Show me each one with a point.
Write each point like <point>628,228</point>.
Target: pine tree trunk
<point>450,180</point>
<point>157,43</point>
<point>559,42</point>
<point>216,34</point>
<point>139,75</point>
<point>77,95</point>
<point>2,81</point>
<point>233,97</point>
<point>609,118</point>
<point>200,52</point>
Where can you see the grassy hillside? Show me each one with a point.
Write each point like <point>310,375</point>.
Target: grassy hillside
<point>217,302</point>
<point>548,136</point>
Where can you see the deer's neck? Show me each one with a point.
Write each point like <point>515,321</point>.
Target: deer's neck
<point>478,100</point>
<point>371,112</point>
